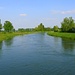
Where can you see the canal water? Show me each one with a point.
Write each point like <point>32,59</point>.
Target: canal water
<point>37,54</point>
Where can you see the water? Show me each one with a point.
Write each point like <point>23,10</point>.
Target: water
<point>37,54</point>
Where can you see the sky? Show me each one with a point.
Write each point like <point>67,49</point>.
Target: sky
<point>30,13</point>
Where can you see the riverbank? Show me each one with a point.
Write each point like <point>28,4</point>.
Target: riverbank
<point>62,34</point>
<point>5,36</point>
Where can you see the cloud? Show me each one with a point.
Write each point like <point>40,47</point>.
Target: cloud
<point>68,12</point>
<point>64,12</point>
<point>23,14</point>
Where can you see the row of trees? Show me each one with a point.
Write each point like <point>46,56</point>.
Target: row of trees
<point>67,25</point>
<point>25,30</point>
<point>40,27</point>
<point>8,27</point>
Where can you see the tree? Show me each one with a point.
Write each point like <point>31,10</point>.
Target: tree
<point>47,29</point>
<point>21,29</point>
<point>0,27</point>
<point>8,27</point>
<point>40,27</point>
<point>13,30</point>
<point>55,28</point>
<point>67,24</point>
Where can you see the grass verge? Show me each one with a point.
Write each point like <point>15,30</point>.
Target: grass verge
<point>62,34</point>
<point>5,36</point>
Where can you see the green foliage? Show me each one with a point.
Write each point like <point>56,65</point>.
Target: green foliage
<point>0,27</point>
<point>55,28</point>
<point>40,27</point>
<point>48,29</point>
<point>25,30</point>
<point>28,29</point>
<point>8,27</point>
<point>14,30</point>
<point>68,25</point>
<point>21,29</point>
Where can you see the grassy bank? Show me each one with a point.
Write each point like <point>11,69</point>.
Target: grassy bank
<point>5,36</point>
<point>62,34</point>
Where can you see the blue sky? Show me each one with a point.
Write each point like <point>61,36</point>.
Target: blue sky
<point>30,13</point>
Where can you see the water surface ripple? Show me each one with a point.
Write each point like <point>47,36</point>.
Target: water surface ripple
<point>37,54</point>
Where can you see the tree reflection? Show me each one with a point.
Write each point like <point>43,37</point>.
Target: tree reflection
<point>1,44</point>
<point>68,44</point>
<point>8,42</point>
<point>56,40</point>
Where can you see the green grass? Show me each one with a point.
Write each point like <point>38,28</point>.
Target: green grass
<point>62,34</point>
<point>5,36</point>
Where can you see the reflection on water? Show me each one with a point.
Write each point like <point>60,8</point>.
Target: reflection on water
<point>68,45</point>
<point>8,42</point>
<point>57,40</point>
<point>37,54</point>
<point>1,44</point>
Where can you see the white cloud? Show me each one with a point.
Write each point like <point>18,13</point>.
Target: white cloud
<point>68,12</point>
<point>63,12</point>
<point>23,14</point>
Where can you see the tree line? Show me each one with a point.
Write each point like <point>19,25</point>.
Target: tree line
<point>67,25</point>
<point>40,27</point>
<point>8,27</point>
